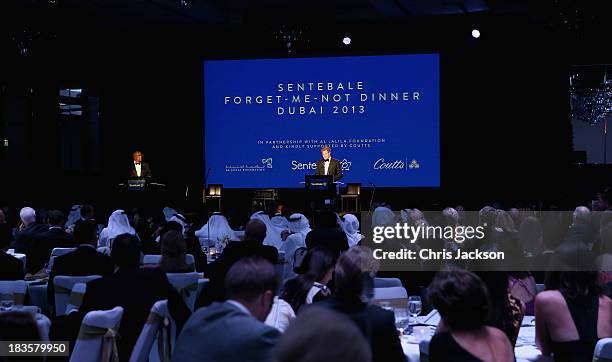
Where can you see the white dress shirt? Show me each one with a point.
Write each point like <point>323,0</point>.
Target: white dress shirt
<point>326,165</point>
<point>138,167</point>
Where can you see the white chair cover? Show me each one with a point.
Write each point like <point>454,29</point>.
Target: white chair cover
<point>97,337</point>
<point>186,284</point>
<point>387,282</point>
<point>396,296</point>
<point>603,350</point>
<point>76,297</point>
<point>156,341</point>
<point>63,287</point>
<point>55,253</point>
<point>280,315</point>
<point>154,259</point>
<point>289,246</point>
<point>17,288</point>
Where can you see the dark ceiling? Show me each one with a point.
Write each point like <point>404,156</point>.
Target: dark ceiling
<point>163,12</point>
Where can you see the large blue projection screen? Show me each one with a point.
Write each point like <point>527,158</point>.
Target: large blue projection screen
<point>267,119</point>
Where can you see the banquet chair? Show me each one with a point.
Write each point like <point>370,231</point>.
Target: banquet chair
<point>387,282</point>
<point>156,341</point>
<point>539,288</point>
<point>63,285</point>
<point>55,253</point>
<point>186,284</point>
<point>76,297</point>
<point>154,259</point>
<point>603,350</point>
<point>17,288</point>
<point>97,340</point>
<point>397,297</point>
<point>424,350</point>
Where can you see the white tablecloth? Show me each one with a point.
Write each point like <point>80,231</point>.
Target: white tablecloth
<point>525,349</point>
<point>38,294</point>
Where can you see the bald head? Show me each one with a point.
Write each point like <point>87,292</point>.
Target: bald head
<point>582,215</point>
<point>255,231</point>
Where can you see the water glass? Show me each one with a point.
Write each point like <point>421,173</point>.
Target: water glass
<point>7,300</point>
<point>401,317</point>
<point>414,307</point>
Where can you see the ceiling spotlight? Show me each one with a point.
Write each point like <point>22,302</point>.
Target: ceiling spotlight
<point>185,3</point>
<point>346,40</point>
<point>476,33</point>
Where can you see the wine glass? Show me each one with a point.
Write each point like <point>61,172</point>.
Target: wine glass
<point>414,307</point>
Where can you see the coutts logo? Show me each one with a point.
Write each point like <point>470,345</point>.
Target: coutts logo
<point>382,164</point>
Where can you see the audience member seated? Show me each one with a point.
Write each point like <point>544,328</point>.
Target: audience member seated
<point>298,229</point>
<point>323,336</point>
<point>234,330</point>
<point>118,224</point>
<point>582,227</point>
<point>173,251</point>
<point>216,229</point>
<point>6,232</point>
<point>18,326</point>
<point>461,299</point>
<point>572,314</point>
<point>85,260</point>
<point>27,229</point>
<point>328,235</point>
<point>87,213</point>
<point>505,312</point>
<point>354,275</point>
<point>350,225</point>
<point>273,234</point>
<point>255,233</point>
<point>191,242</point>
<point>133,289</point>
<point>43,243</point>
<point>11,268</point>
<point>311,286</point>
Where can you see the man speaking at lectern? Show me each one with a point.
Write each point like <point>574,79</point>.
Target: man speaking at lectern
<point>329,166</point>
<point>139,168</point>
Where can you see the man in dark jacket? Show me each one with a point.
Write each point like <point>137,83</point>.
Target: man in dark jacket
<point>353,275</point>
<point>43,243</point>
<point>328,235</point>
<point>85,260</point>
<point>255,233</point>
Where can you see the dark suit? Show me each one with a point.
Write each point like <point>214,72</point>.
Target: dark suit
<point>234,251</point>
<point>11,268</point>
<point>334,168</point>
<point>145,170</point>
<point>377,325</point>
<point>136,291</point>
<point>85,260</point>
<point>223,332</point>
<point>43,244</point>
<point>23,238</point>
<point>330,238</point>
